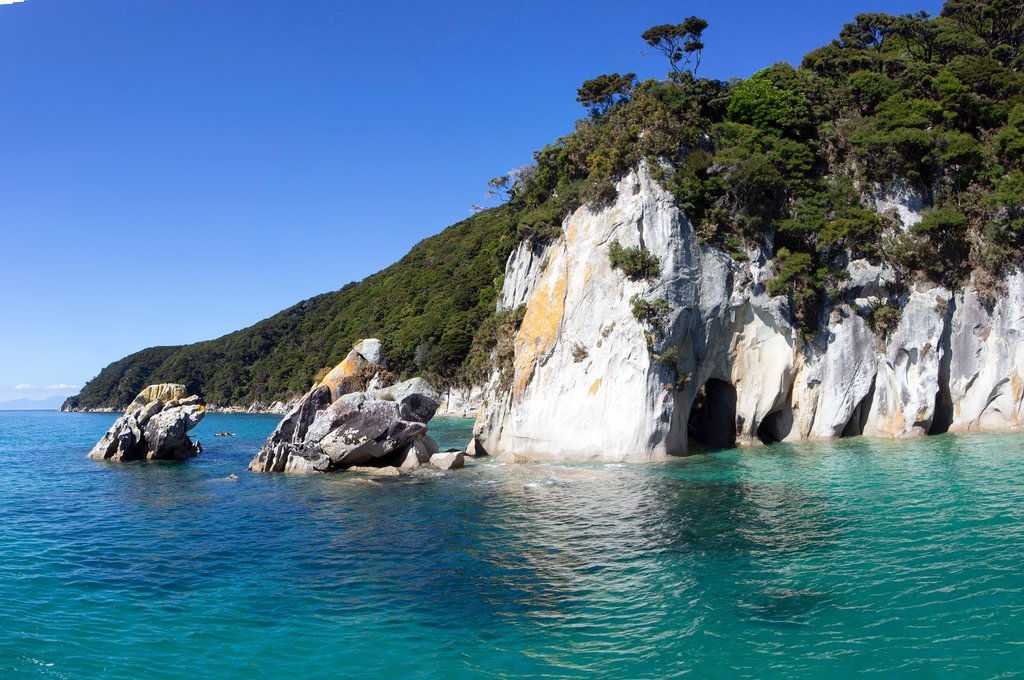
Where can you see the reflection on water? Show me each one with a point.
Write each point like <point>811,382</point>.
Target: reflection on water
<point>854,556</point>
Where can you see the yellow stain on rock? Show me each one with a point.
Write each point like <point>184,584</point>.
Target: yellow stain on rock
<point>346,370</point>
<point>572,230</point>
<point>893,423</point>
<point>165,392</point>
<point>539,330</point>
<point>596,386</point>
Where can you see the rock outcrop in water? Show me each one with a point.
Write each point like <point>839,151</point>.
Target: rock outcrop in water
<point>610,367</point>
<point>155,426</point>
<point>335,427</point>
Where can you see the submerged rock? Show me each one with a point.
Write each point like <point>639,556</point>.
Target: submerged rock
<point>387,471</point>
<point>449,460</point>
<point>154,427</point>
<point>334,428</point>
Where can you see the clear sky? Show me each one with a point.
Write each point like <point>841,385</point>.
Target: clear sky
<point>173,170</point>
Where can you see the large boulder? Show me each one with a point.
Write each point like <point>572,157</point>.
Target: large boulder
<point>333,428</point>
<point>155,426</point>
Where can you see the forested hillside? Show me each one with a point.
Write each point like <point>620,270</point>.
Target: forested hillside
<point>787,163</point>
<point>424,308</point>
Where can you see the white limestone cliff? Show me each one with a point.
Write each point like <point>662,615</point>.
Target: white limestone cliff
<point>580,353</point>
<point>987,360</point>
<point>591,381</point>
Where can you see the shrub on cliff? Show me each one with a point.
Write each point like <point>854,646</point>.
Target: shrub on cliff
<point>635,262</point>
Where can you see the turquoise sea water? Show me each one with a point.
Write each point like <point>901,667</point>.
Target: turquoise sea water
<point>884,558</point>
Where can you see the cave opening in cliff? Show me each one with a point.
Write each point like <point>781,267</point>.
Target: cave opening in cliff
<point>712,422</point>
<point>859,418</point>
<point>774,427</point>
<point>942,418</point>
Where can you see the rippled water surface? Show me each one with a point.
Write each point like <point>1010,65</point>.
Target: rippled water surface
<point>810,561</point>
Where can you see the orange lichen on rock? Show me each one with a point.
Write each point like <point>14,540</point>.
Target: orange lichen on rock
<point>587,271</point>
<point>539,330</point>
<point>165,392</point>
<point>343,373</point>
<point>572,231</point>
<point>596,386</point>
<point>892,423</point>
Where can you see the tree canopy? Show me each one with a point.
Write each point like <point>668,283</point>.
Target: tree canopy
<point>680,43</point>
<point>600,93</point>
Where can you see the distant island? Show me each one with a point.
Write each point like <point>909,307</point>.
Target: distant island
<point>48,404</point>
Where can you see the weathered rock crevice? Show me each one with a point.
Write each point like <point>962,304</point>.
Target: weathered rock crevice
<point>775,427</point>
<point>859,417</point>
<point>944,410</point>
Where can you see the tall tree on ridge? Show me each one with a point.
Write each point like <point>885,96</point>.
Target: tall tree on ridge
<point>681,43</point>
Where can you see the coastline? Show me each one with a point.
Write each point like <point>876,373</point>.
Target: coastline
<point>259,409</point>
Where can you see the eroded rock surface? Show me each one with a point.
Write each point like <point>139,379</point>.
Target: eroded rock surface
<point>155,426</point>
<point>711,357</point>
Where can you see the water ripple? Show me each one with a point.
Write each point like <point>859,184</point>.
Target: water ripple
<point>826,560</point>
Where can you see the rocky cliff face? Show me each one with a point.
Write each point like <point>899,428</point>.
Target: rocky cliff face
<point>612,368</point>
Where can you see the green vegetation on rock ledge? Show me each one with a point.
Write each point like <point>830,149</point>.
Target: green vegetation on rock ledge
<point>789,162</point>
<point>788,158</point>
<point>635,262</point>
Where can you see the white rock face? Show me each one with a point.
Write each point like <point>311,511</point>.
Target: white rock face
<point>585,386</point>
<point>987,361</point>
<point>591,381</point>
<point>761,360</point>
<point>845,371</point>
<point>870,284</point>
<point>907,382</point>
<point>521,274</point>
<point>369,349</point>
<point>462,402</point>
<point>906,200</point>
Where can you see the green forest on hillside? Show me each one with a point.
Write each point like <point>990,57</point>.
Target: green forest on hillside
<point>782,161</point>
<point>425,308</point>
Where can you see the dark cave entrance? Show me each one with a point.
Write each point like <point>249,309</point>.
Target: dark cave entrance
<point>774,427</point>
<point>712,421</point>
<point>943,415</point>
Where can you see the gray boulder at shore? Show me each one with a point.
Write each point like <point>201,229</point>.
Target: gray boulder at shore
<point>154,427</point>
<point>336,428</point>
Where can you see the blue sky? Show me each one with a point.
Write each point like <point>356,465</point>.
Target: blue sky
<point>173,170</point>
